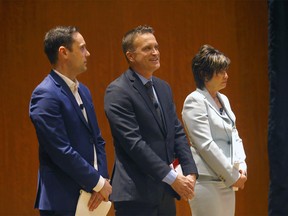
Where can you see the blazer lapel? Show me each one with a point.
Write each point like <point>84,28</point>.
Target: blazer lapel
<point>214,106</point>
<point>137,84</point>
<point>227,110</point>
<point>66,90</point>
<point>87,106</point>
<point>161,100</point>
<point>208,97</point>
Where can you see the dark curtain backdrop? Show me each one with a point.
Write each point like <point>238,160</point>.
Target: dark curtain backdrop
<point>278,114</point>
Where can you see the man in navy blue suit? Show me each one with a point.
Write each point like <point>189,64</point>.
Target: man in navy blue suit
<point>147,134</point>
<point>71,149</point>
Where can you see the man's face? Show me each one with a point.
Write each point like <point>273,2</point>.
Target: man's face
<point>145,58</point>
<point>77,57</point>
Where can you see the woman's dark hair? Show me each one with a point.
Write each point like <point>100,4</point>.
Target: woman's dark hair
<point>207,62</point>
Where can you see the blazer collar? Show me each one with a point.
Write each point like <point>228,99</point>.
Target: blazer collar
<point>138,85</point>
<point>214,106</point>
<point>67,91</point>
<point>209,98</point>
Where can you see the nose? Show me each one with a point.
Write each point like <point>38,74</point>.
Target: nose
<point>87,53</point>
<point>155,50</point>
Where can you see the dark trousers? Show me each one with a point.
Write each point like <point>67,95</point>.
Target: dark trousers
<point>56,213</point>
<point>130,208</point>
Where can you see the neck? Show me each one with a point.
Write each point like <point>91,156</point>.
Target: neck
<point>65,72</point>
<point>146,74</point>
<point>212,93</point>
<point>211,89</point>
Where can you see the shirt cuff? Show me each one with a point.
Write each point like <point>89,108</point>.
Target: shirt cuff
<point>170,177</point>
<point>243,166</point>
<point>100,184</point>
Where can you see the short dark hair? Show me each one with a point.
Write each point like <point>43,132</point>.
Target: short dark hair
<point>56,37</point>
<point>129,37</point>
<point>207,62</point>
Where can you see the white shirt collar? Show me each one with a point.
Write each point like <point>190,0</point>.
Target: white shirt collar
<point>72,85</point>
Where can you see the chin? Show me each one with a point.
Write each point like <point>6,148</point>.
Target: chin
<point>157,66</point>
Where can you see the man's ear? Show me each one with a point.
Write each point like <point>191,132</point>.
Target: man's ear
<point>63,52</point>
<point>130,56</point>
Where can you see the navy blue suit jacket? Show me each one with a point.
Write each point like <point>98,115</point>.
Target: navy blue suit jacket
<point>66,143</point>
<point>144,149</point>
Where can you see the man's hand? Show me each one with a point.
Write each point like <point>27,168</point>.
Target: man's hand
<point>184,186</point>
<point>192,177</point>
<point>98,197</point>
<point>95,200</point>
<point>106,190</point>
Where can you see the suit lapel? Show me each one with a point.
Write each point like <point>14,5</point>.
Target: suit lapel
<point>227,110</point>
<point>210,100</point>
<point>87,106</point>
<point>66,90</point>
<point>212,104</point>
<point>138,85</point>
<point>162,100</point>
<point>227,118</point>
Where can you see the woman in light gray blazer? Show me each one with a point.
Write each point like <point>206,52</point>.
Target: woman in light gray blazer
<point>216,146</point>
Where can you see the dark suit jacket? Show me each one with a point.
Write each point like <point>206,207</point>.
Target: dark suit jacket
<point>143,148</point>
<point>65,144</point>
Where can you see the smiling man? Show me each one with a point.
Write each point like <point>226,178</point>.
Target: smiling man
<point>147,134</point>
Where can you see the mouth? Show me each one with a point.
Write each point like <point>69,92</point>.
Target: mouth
<point>155,60</point>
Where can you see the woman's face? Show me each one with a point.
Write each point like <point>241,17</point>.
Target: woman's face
<point>217,82</point>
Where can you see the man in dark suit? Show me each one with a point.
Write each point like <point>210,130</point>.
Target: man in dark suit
<point>147,134</point>
<point>71,150</point>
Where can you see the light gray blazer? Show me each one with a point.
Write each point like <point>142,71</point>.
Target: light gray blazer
<point>216,145</point>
